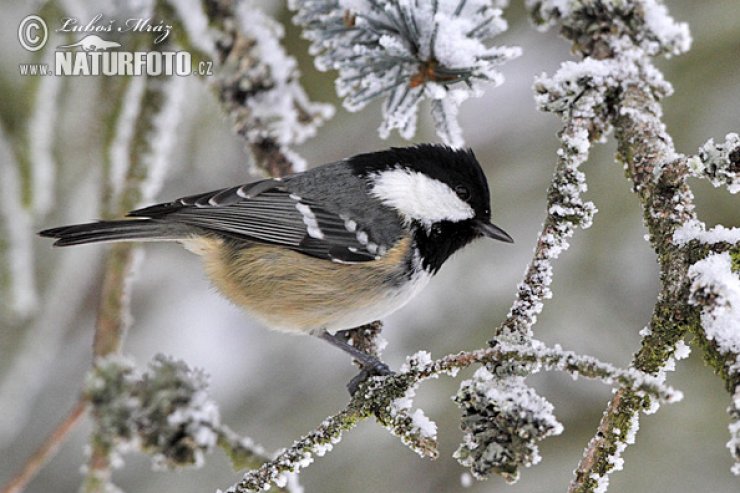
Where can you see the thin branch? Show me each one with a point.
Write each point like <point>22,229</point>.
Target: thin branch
<point>617,74</point>
<point>565,211</point>
<point>375,398</point>
<point>47,450</point>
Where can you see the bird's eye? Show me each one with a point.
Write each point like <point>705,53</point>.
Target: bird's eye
<point>462,192</point>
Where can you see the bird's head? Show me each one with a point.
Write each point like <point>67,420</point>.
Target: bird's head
<point>440,192</point>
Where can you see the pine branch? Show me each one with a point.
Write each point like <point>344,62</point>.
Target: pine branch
<point>407,51</point>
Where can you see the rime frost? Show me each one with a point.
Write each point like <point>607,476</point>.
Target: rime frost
<point>566,211</point>
<point>646,22</point>
<point>716,288</point>
<point>415,428</point>
<point>120,148</point>
<point>503,419</point>
<point>41,127</point>
<point>278,109</point>
<point>683,351</point>
<point>734,443</point>
<point>164,412</point>
<point>407,51</point>
<point>195,22</point>
<point>258,85</point>
<point>164,136</point>
<point>696,230</point>
<point>719,163</point>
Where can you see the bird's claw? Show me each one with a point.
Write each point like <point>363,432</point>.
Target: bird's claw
<point>376,369</point>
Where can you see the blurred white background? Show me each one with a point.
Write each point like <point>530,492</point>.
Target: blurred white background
<point>274,387</point>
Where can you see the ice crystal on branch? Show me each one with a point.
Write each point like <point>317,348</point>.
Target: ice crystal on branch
<point>258,85</point>
<point>734,443</point>
<point>503,420</point>
<point>407,50</point>
<point>697,230</point>
<point>719,163</point>
<point>164,412</point>
<point>716,288</point>
<point>589,24</point>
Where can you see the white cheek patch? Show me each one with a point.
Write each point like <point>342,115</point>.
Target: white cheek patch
<point>419,197</point>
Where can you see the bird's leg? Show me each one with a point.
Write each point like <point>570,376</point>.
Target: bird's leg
<point>371,365</point>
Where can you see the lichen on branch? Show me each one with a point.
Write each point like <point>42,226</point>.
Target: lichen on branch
<point>407,51</point>
<point>389,399</point>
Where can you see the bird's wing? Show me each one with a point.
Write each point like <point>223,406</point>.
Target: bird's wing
<point>267,212</point>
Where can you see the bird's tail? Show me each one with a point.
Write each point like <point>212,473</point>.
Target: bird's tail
<point>125,230</point>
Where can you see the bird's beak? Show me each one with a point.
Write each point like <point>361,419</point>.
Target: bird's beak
<point>492,231</point>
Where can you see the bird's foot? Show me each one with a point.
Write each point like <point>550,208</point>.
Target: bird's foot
<point>375,369</point>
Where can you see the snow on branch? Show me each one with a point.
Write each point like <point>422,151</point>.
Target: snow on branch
<point>734,443</point>
<point>408,51</point>
<point>256,81</point>
<point>616,86</point>
<point>503,419</point>
<point>389,400</point>
<point>719,163</point>
<point>566,210</point>
<point>589,24</point>
<point>17,281</point>
<point>715,289</point>
<point>163,412</point>
<point>697,230</point>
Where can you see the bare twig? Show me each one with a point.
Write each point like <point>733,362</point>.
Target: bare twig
<point>47,450</point>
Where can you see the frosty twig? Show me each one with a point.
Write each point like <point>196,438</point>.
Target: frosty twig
<point>388,398</point>
<point>617,62</point>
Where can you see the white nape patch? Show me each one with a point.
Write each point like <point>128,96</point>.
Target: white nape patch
<point>419,197</point>
<point>309,219</point>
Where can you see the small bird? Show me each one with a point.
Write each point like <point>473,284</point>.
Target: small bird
<point>332,248</point>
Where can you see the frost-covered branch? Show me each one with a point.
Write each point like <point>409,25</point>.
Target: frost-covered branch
<point>255,80</point>
<point>715,289</point>
<point>17,282</point>
<point>503,418</point>
<point>407,51</point>
<point>616,41</point>
<point>566,210</point>
<point>163,412</point>
<point>389,400</point>
<point>719,163</point>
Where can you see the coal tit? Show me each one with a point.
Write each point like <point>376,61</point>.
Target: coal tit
<point>331,248</point>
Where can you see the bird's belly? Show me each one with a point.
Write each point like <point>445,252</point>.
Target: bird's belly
<point>293,292</point>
